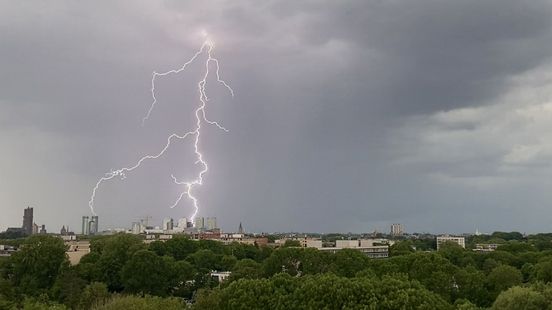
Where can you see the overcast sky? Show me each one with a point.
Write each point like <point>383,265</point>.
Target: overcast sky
<point>347,115</point>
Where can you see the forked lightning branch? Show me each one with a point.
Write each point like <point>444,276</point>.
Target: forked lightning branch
<point>201,120</point>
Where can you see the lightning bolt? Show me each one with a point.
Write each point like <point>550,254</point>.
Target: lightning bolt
<point>201,118</point>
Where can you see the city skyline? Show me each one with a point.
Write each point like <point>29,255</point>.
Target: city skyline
<point>346,116</point>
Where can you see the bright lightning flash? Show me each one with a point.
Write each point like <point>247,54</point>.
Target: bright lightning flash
<point>201,118</point>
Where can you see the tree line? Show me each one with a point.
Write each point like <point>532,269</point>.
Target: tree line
<point>122,272</point>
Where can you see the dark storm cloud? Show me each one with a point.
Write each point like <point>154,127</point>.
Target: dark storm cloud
<point>345,115</point>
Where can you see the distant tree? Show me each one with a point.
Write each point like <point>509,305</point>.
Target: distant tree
<point>180,280</point>
<point>212,245</point>
<point>94,294</point>
<point>470,285</point>
<point>314,261</point>
<point>516,246</point>
<point>34,304</point>
<point>543,271</point>
<point>142,303</point>
<point>7,294</point>
<point>68,288</point>
<point>286,260</point>
<point>434,272</point>
<point>489,264</point>
<point>146,273</point>
<point>88,267</point>
<point>37,264</point>
<point>502,278</point>
<point>159,247</point>
<point>520,298</point>
<point>348,262</point>
<point>453,252</point>
<point>401,248</point>
<point>180,247</point>
<point>246,269</point>
<point>514,235</point>
<point>205,260</point>
<point>227,262</point>
<point>326,291</point>
<point>115,251</point>
<point>291,243</point>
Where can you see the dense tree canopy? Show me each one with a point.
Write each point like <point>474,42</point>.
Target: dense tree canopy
<point>123,272</point>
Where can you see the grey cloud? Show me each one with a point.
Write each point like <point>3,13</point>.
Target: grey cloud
<point>328,96</point>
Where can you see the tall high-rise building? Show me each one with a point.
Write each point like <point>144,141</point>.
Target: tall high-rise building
<point>211,223</point>
<point>168,223</point>
<point>28,221</point>
<point>85,225</point>
<point>93,225</point>
<point>199,223</point>
<point>397,230</point>
<point>182,223</point>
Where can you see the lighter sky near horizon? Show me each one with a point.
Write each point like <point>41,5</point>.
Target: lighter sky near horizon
<point>347,116</point>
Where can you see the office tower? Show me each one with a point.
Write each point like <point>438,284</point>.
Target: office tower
<point>168,223</point>
<point>43,230</point>
<point>199,223</point>
<point>85,225</point>
<point>96,220</point>
<point>93,225</point>
<point>35,229</point>
<point>211,223</point>
<point>136,228</point>
<point>182,223</point>
<point>397,230</point>
<point>28,221</point>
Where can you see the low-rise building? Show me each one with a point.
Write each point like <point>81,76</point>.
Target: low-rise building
<point>481,247</point>
<point>7,250</point>
<point>461,241</point>
<point>377,251</point>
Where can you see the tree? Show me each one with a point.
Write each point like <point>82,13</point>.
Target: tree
<point>146,273</point>
<point>434,272</point>
<point>205,260</point>
<point>94,294</point>
<point>227,262</point>
<point>520,298</point>
<point>246,269</point>
<point>36,266</point>
<point>114,252</point>
<point>348,262</point>
<point>291,243</point>
<point>182,272</point>
<point>543,271</point>
<point>180,247</point>
<point>502,278</point>
<point>68,288</point>
<point>325,291</point>
<point>453,252</point>
<point>158,247</point>
<point>286,260</point>
<point>470,285</point>
<point>142,303</point>
<point>401,248</point>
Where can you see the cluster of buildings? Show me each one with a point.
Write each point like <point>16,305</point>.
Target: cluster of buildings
<point>373,248</point>
<point>207,228</point>
<point>29,227</point>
